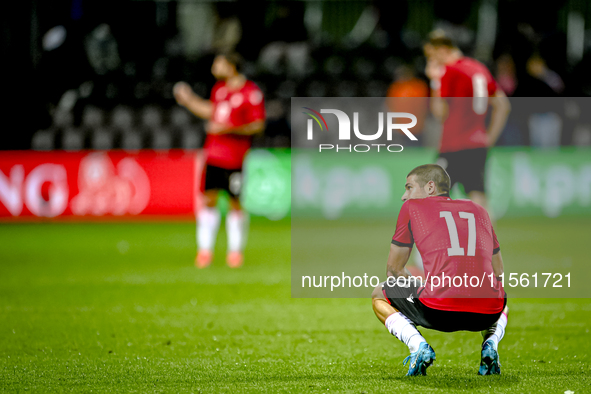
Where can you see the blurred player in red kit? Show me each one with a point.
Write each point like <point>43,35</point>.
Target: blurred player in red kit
<point>465,139</point>
<point>457,241</point>
<point>235,112</point>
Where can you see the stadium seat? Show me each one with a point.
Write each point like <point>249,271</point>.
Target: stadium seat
<point>92,117</point>
<point>545,129</point>
<point>160,68</point>
<point>43,140</point>
<point>363,68</point>
<point>316,89</point>
<point>250,69</point>
<point>63,119</point>
<point>334,66</point>
<point>286,89</point>
<point>191,138</point>
<point>347,89</point>
<point>582,135</point>
<point>375,89</point>
<point>297,59</point>
<point>132,140</point>
<point>281,141</point>
<point>161,139</point>
<point>389,66</point>
<point>122,117</point>
<point>72,139</point>
<point>262,86</point>
<point>179,117</point>
<point>102,139</point>
<point>112,92</point>
<point>141,91</point>
<point>151,117</point>
<point>274,109</point>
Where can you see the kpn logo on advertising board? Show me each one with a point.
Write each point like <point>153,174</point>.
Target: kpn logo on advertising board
<point>391,119</point>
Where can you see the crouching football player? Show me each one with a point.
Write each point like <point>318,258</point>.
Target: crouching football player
<point>457,243</point>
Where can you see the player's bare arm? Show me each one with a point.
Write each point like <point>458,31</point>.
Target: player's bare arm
<point>501,107</point>
<point>185,96</point>
<point>497,264</point>
<point>246,129</point>
<point>397,260</point>
<point>439,107</point>
<point>396,267</point>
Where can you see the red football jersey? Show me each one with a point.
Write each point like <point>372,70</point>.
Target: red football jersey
<point>234,108</point>
<point>465,126</point>
<point>456,240</point>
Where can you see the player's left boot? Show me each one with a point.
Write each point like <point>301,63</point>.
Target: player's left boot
<point>234,259</point>
<point>203,259</point>
<point>489,360</point>
<point>420,360</point>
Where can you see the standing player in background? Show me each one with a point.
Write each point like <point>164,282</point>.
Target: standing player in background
<point>456,240</point>
<point>234,113</point>
<point>465,139</point>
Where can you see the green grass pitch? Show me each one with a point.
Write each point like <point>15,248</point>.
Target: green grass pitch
<point>120,307</point>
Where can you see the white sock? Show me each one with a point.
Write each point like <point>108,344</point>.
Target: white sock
<point>402,328</point>
<point>497,331</point>
<point>208,224</point>
<point>236,229</point>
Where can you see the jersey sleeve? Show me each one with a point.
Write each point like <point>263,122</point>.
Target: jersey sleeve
<point>447,83</point>
<point>255,105</point>
<point>496,246</point>
<point>403,235</point>
<point>214,91</point>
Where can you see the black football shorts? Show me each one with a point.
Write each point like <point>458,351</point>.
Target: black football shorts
<point>406,300</point>
<point>217,178</point>
<point>466,167</point>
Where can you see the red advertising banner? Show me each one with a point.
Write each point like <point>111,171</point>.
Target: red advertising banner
<point>98,183</point>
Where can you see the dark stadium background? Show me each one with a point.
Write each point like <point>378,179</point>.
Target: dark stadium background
<point>119,59</point>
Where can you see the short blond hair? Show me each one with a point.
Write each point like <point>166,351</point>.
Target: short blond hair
<point>435,173</point>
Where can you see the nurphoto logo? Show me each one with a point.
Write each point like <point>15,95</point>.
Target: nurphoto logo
<point>344,131</point>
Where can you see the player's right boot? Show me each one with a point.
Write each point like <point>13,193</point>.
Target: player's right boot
<point>420,360</point>
<point>204,258</point>
<point>489,360</point>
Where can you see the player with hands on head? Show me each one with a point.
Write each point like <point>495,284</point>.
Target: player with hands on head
<point>462,89</point>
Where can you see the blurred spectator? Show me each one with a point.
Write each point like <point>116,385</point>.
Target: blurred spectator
<point>579,80</point>
<point>288,48</point>
<point>196,21</point>
<point>537,68</point>
<point>227,31</point>
<point>393,15</point>
<point>545,129</point>
<point>506,75</point>
<point>101,49</point>
<point>540,124</point>
<point>409,94</point>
